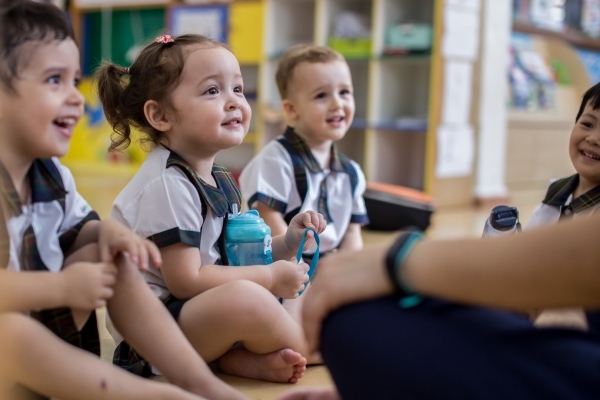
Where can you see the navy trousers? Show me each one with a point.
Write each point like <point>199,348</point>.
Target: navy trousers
<point>439,350</point>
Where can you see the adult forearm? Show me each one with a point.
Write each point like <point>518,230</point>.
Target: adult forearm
<point>26,291</point>
<point>550,267</point>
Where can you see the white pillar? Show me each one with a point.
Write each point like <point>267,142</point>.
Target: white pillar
<point>491,150</point>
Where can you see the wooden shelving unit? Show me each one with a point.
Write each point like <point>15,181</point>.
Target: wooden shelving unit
<point>397,96</point>
<point>537,141</point>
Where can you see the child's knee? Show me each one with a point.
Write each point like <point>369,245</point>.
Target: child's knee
<point>88,253</point>
<point>253,300</point>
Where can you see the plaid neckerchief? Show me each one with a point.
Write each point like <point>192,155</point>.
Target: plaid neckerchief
<point>46,185</point>
<point>338,163</point>
<point>219,198</point>
<point>560,190</point>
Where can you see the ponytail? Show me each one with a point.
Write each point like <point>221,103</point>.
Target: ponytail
<point>111,86</point>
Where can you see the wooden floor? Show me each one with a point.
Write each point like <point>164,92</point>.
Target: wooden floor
<point>457,222</point>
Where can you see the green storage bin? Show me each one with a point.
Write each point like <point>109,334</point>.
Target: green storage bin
<point>351,47</point>
<point>409,36</point>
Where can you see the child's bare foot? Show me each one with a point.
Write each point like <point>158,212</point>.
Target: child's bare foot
<point>279,366</point>
<point>311,394</point>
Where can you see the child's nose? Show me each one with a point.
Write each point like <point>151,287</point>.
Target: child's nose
<point>76,97</point>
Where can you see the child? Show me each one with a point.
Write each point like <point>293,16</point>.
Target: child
<point>186,94</point>
<point>59,263</point>
<point>576,196</point>
<point>303,169</point>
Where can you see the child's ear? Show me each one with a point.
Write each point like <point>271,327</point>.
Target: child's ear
<point>156,116</point>
<point>290,110</point>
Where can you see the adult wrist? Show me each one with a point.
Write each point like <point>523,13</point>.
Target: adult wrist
<point>395,258</point>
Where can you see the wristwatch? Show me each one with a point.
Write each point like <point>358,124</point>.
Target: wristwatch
<point>396,256</point>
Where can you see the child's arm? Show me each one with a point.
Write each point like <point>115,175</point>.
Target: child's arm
<point>82,286</point>
<point>352,239</point>
<point>186,278</point>
<point>273,218</point>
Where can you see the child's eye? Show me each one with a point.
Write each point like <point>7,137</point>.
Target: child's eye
<point>587,124</point>
<point>238,89</point>
<point>320,96</point>
<point>76,82</point>
<point>54,79</point>
<point>212,90</point>
<point>345,92</point>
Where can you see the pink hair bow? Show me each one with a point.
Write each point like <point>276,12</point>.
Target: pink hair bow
<point>164,39</point>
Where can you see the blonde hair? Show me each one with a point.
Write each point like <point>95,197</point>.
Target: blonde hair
<point>298,54</point>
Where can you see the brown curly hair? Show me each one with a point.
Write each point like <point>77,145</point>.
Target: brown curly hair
<point>154,74</point>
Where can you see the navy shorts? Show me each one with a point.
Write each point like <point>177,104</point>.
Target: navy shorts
<point>440,350</point>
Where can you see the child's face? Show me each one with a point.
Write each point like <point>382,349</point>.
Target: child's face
<point>38,120</point>
<point>584,147</point>
<point>321,102</point>
<point>212,111</point>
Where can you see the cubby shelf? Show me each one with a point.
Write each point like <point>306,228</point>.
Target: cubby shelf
<point>390,135</point>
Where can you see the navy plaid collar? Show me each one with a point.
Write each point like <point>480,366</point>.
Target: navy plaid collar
<point>46,185</point>
<point>307,156</point>
<point>560,190</point>
<point>217,198</point>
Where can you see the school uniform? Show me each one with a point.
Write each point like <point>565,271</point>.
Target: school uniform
<point>286,177</point>
<point>39,234</point>
<point>559,203</point>
<point>168,203</point>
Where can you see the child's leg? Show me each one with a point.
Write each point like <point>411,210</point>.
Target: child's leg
<point>242,311</point>
<point>148,327</point>
<point>294,309</point>
<point>35,358</point>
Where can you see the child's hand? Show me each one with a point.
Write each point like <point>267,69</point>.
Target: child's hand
<point>88,286</point>
<point>288,278</point>
<point>115,238</point>
<point>298,224</point>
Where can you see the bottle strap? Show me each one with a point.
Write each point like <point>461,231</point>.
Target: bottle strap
<point>315,259</point>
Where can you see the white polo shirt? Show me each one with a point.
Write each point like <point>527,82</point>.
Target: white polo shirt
<point>270,179</point>
<point>163,203</point>
<point>42,231</point>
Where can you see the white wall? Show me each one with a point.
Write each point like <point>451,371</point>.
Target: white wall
<point>491,149</point>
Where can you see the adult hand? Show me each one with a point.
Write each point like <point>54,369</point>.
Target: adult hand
<point>343,278</point>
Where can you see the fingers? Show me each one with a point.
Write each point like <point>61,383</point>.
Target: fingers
<point>322,223</point>
<point>143,252</point>
<point>303,267</point>
<point>153,252</point>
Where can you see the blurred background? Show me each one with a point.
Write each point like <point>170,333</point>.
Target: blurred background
<point>470,102</point>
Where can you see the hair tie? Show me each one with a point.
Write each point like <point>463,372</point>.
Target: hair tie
<point>164,39</point>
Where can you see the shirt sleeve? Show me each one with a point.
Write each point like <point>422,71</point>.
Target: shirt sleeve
<point>359,210</point>
<point>77,211</point>
<point>167,211</point>
<point>269,178</point>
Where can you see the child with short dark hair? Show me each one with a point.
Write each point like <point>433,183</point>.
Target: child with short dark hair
<point>59,262</point>
<point>576,196</point>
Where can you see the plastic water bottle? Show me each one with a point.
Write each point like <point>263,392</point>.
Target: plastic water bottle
<point>248,239</point>
<point>503,220</point>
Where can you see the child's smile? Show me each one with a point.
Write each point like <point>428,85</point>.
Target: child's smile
<point>47,104</point>
<point>584,149</point>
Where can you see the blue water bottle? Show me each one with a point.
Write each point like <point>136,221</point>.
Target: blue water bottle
<point>248,239</point>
